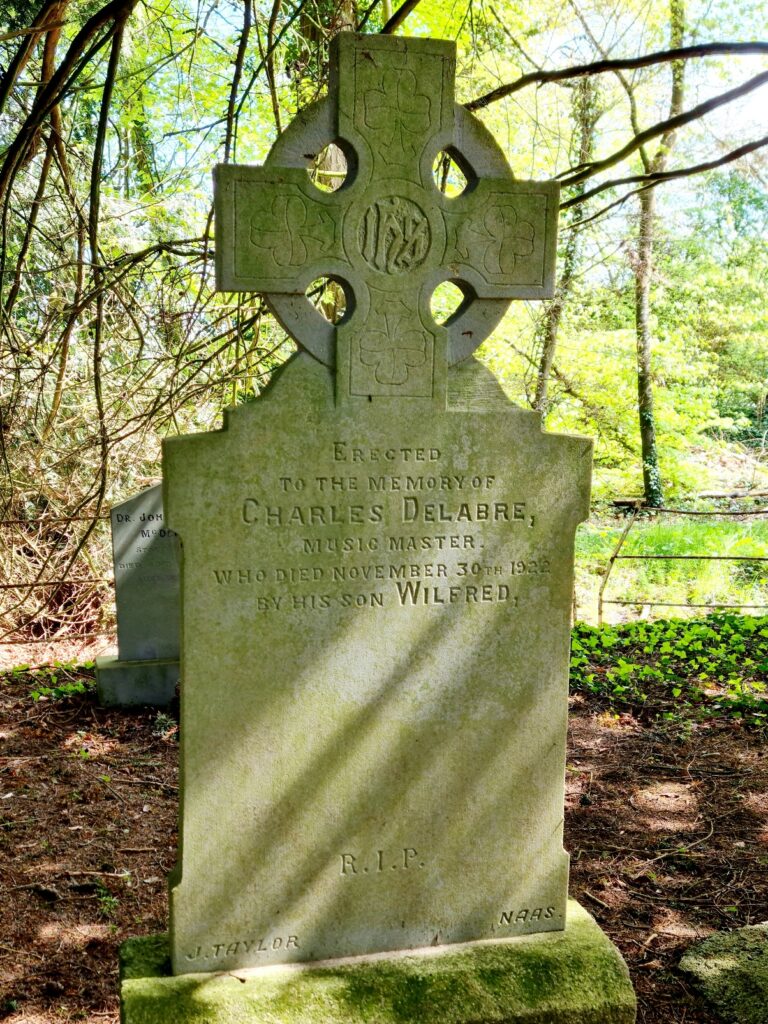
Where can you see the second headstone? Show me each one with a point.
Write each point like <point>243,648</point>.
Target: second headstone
<point>146,567</point>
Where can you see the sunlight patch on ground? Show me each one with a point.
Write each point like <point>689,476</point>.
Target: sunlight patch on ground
<point>72,935</point>
<point>611,893</point>
<point>49,867</point>
<point>673,923</point>
<point>668,806</point>
<point>590,735</point>
<point>92,743</point>
<point>45,654</point>
<point>613,721</point>
<point>576,781</point>
<point>758,804</point>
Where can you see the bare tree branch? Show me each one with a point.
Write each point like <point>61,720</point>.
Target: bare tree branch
<point>269,57</point>
<point>665,129</point>
<point>621,78</point>
<point>31,35</point>
<point>399,16</point>
<point>6,36</point>
<point>278,39</point>
<point>657,177</point>
<point>624,64</point>
<point>52,92</point>
<point>93,239</point>
<point>367,14</point>
<point>241,51</point>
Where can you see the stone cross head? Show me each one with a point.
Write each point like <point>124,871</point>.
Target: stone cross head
<point>388,235</point>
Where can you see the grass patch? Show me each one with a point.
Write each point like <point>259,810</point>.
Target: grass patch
<point>687,581</point>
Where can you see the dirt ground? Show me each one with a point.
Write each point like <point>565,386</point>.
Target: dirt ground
<point>667,828</point>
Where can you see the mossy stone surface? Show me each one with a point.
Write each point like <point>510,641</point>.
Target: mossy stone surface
<point>572,977</point>
<point>731,971</point>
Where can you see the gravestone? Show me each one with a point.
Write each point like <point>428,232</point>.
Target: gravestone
<point>146,568</point>
<point>377,578</point>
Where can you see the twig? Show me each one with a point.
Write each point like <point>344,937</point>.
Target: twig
<point>679,851</point>
<point>147,782</point>
<point>596,899</point>
<point>105,874</point>
<point>663,128</point>
<point>239,59</point>
<point>657,177</point>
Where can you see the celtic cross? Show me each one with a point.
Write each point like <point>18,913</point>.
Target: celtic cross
<point>389,236</point>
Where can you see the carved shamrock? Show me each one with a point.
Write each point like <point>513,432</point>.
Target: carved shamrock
<point>400,112</point>
<point>392,351</point>
<point>288,230</point>
<point>501,237</point>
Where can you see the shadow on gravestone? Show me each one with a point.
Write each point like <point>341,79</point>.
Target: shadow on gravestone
<point>377,567</point>
<point>146,567</point>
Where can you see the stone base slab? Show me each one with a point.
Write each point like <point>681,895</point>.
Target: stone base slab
<point>576,976</point>
<point>131,683</point>
<point>730,969</point>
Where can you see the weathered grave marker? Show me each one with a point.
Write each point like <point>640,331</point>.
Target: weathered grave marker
<point>378,563</point>
<point>146,568</point>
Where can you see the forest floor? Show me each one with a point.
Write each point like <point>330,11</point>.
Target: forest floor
<point>667,828</point>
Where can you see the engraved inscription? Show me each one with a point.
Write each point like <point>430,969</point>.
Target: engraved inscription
<point>376,862</point>
<point>394,235</point>
<point>487,593</point>
<point>467,512</point>
<point>344,452</point>
<point>219,950</point>
<point>525,915</point>
<point>485,561</point>
<point>253,513</point>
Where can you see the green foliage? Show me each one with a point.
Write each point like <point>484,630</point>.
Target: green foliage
<point>59,681</point>
<point>108,902</point>
<point>715,667</point>
<point>689,580</point>
<point>165,726</point>
<point>19,13</point>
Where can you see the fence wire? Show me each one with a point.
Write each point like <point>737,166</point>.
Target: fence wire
<point>646,600</point>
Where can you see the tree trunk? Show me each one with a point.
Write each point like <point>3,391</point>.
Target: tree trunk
<point>586,114</point>
<point>652,488</point>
